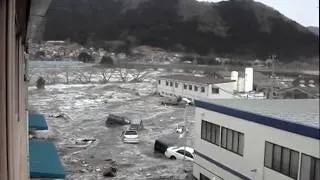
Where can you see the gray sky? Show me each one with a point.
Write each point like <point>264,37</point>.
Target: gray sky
<point>305,12</point>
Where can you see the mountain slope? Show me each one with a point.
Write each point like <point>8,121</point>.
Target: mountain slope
<point>314,29</point>
<point>235,28</point>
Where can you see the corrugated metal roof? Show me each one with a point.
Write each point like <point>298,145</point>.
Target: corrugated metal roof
<point>301,111</point>
<point>195,79</point>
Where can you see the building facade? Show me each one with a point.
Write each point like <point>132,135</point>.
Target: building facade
<point>257,140</point>
<point>195,87</point>
<point>13,131</point>
<point>17,161</point>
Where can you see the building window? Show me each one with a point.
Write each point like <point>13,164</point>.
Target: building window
<point>232,140</point>
<point>215,90</point>
<point>309,168</point>
<point>185,86</point>
<point>281,159</point>
<point>195,88</point>
<point>176,85</point>
<point>210,132</point>
<point>159,81</point>
<point>171,83</point>
<point>203,89</point>
<point>203,177</point>
<point>167,83</point>
<point>190,87</point>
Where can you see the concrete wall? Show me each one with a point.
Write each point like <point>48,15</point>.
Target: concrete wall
<point>224,93</point>
<point>255,136</point>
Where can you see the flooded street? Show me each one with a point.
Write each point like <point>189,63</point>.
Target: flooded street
<point>86,146</point>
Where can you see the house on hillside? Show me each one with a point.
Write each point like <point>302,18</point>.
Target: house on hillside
<point>301,88</point>
<point>258,63</point>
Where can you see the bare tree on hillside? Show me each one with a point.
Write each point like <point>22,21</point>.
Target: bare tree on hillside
<point>138,75</point>
<point>67,74</point>
<point>86,77</point>
<point>31,73</point>
<point>106,74</point>
<point>52,76</point>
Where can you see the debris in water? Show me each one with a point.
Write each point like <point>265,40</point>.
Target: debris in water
<point>110,172</point>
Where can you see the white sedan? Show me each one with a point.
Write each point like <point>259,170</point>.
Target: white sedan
<point>130,136</point>
<point>178,153</point>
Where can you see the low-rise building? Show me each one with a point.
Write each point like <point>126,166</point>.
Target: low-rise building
<point>208,87</point>
<point>195,87</point>
<point>257,139</point>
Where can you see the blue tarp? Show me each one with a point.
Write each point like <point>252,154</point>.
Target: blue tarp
<point>37,122</point>
<point>44,160</point>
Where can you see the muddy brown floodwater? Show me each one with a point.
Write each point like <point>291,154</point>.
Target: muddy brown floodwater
<point>86,147</point>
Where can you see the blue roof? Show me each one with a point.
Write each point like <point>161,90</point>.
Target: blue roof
<point>44,160</point>
<point>37,122</point>
<point>296,116</point>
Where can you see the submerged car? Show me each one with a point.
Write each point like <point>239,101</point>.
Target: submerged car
<point>130,136</point>
<point>174,153</point>
<point>115,120</point>
<point>136,124</point>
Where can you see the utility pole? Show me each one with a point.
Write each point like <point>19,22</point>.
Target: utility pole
<point>187,109</point>
<point>273,76</point>
<point>185,135</point>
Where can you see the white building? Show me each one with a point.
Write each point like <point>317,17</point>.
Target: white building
<point>195,87</point>
<point>257,140</point>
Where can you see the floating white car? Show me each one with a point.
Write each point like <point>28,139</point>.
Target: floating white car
<point>178,153</point>
<point>130,136</point>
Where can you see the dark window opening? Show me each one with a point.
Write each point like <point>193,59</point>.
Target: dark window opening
<point>309,168</point>
<point>281,159</point>
<point>203,89</point>
<point>185,86</point>
<point>232,140</point>
<point>210,132</point>
<point>203,177</point>
<point>215,90</point>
